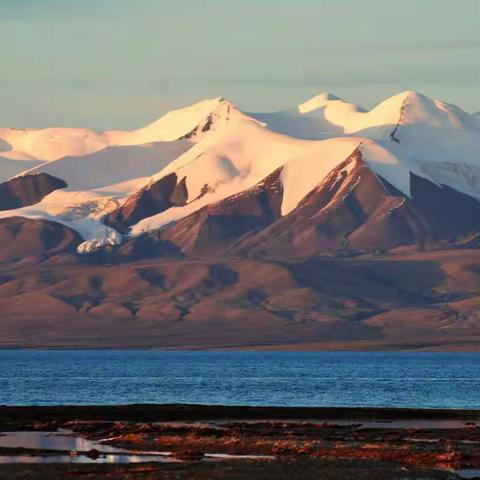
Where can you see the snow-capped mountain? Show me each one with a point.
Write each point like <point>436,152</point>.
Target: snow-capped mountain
<point>54,143</point>
<point>324,175</point>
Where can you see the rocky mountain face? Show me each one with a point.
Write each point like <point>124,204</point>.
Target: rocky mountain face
<point>353,209</point>
<point>326,224</point>
<point>218,226</point>
<point>361,212</point>
<point>27,190</point>
<point>22,237</point>
<point>150,200</point>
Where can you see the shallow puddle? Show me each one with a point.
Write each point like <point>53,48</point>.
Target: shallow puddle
<point>65,440</point>
<point>60,440</point>
<point>469,473</point>
<point>108,458</point>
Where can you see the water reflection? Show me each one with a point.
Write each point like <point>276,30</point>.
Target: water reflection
<point>109,458</point>
<point>66,440</point>
<point>469,473</point>
<point>60,440</point>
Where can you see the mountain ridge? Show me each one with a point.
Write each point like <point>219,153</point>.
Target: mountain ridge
<point>219,151</point>
<point>323,224</point>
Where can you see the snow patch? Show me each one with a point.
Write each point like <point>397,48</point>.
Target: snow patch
<point>111,238</point>
<point>301,175</point>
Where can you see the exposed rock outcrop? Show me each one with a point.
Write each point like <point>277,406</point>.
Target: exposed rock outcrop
<point>27,190</point>
<point>150,200</point>
<point>219,225</point>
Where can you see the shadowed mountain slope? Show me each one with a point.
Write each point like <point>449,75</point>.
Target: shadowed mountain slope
<point>27,190</point>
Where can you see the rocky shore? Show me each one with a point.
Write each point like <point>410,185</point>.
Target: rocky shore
<point>209,442</point>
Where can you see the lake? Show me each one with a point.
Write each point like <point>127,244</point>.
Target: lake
<point>348,379</point>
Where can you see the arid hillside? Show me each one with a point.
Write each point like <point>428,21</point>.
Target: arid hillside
<point>406,300</point>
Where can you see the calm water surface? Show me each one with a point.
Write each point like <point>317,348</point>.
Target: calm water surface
<point>435,380</point>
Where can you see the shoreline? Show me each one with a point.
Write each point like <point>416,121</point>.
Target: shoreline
<point>460,346</point>
<point>235,442</point>
<point>170,412</point>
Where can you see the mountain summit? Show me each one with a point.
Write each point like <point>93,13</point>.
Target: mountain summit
<point>319,101</point>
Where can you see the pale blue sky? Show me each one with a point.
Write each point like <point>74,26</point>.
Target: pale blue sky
<point>122,63</point>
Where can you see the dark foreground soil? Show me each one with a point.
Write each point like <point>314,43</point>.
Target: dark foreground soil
<point>301,469</point>
<point>304,443</point>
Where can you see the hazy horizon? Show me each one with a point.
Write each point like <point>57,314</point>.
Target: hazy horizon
<point>119,64</point>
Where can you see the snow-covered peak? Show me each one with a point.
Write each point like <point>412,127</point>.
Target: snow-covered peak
<point>401,97</point>
<point>423,136</point>
<point>217,150</point>
<point>224,114</point>
<point>408,107</point>
<point>50,143</point>
<point>319,101</point>
<point>55,143</point>
<point>407,133</point>
<point>413,108</point>
<point>323,116</point>
<point>175,124</point>
<point>418,119</point>
<point>390,109</point>
<point>327,116</point>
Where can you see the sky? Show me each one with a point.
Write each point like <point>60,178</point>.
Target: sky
<point>122,63</point>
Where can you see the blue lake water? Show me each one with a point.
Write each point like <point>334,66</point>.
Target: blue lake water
<point>429,380</point>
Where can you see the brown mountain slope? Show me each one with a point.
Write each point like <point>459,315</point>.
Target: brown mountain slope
<point>353,209</point>
<point>215,227</point>
<point>150,200</point>
<point>406,300</point>
<point>22,237</point>
<point>27,190</point>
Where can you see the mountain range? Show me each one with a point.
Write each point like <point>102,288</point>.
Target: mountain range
<point>322,225</point>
